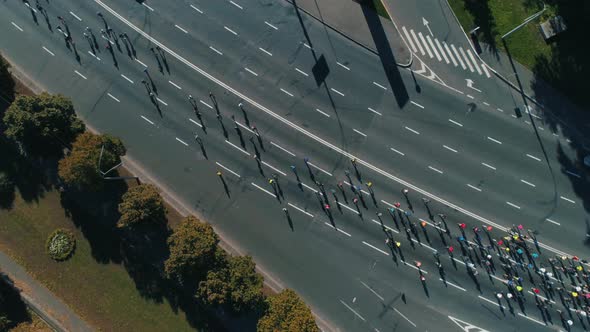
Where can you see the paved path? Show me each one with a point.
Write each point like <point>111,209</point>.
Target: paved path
<point>51,309</point>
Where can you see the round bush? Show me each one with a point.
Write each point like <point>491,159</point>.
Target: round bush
<point>6,185</point>
<point>61,244</point>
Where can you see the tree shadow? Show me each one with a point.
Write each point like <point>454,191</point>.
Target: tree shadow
<point>483,18</point>
<point>11,303</point>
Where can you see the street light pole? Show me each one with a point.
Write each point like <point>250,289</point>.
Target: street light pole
<point>526,21</point>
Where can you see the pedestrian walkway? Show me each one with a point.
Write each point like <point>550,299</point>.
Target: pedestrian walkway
<point>457,56</point>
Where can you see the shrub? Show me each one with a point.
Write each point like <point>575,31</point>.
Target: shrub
<point>61,244</point>
<point>6,185</point>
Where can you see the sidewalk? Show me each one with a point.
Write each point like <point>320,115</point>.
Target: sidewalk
<point>358,24</point>
<point>50,308</point>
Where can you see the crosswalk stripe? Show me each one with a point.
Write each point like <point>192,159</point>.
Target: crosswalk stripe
<point>417,42</point>
<point>410,40</point>
<point>458,57</point>
<point>474,61</point>
<point>441,50</point>
<point>433,48</point>
<point>485,69</point>
<point>425,45</point>
<point>466,60</point>
<point>450,54</point>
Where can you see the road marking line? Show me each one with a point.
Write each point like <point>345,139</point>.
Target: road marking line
<point>499,109</point>
<point>319,169</point>
<point>127,78</point>
<point>273,168</point>
<point>450,149</point>
<point>48,51</point>
<point>308,187</point>
<point>514,116</point>
<point>436,170</point>
<point>301,72</point>
<point>398,152</point>
<point>176,85</point>
<point>573,174</point>
<point>412,130</point>
<point>160,100</point>
<point>322,112</point>
<point>379,85</point>
<point>300,209</point>
<point>110,42</point>
<point>455,122</point>
<point>94,56</point>
<point>287,92</point>
<point>146,119</point>
<point>338,92</point>
<point>567,199</point>
<point>264,190</point>
<point>372,291</point>
<point>527,122</point>
<point>458,56</point>
<point>372,110</point>
<point>442,51</point>
<point>470,96</point>
<point>513,205</point>
<point>489,166</point>
<point>356,313</point>
<point>343,66</point>
<point>360,133</point>
<point>473,187</point>
<point>76,16</point>
<point>235,4</point>
<point>197,9</point>
<point>230,30</point>
<point>383,225</point>
<point>282,148</point>
<point>450,54</point>
<point>494,140</point>
<point>204,103</point>
<point>143,64</point>
<point>148,7</point>
<point>237,147</point>
<point>485,69</point>
<point>305,44</point>
<point>348,207</point>
<point>553,222</point>
<point>490,301</point>
<point>250,71</point>
<point>110,95</point>
<point>265,51</point>
<point>270,25</point>
<point>338,229</point>
<point>379,250</point>
<point>526,182</point>
<point>248,129</point>
<point>452,284</point>
<point>406,318</point>
<point>412,266</point>
<point>215,50</point>
<point>466,60</point>
<point>531,319</point>
<point>417,42</point>
<point>474,61</point>
<point>487,104</point>
<point>227,169</point>
<point>433,47</point>
<point>416,104</point>
<point>533,157</point>
<point>181,141</point>
<point>409,39</point>
<point>195,122</point>
<point>425,45</point>
<point>84,77</point>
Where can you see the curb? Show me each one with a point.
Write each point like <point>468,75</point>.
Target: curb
<point>403,65</point>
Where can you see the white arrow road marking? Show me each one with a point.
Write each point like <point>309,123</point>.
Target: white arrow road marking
<point>466,326</point>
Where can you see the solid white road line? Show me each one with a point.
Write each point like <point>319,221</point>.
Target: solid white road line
<point>404,317</point>
<point>195,122</point>
<point>127,78</point>
<point>473,187</point>
<point>141,63</point>
<point>458,56</point>
<point>148,120</point>
<point>553,222</point>
<point>416,104</point>
<point>282,148</point>
<point>442,52</point>
<point>319,169</point>
<point>348,207</point>
<point>343,66</point>
<point>433,48</point>
<point>474,61</point>
<point>494,140</point>
<point>396,151</point>
<point>387,227</point>
<point>227,169</point>
<point>181,141</point>
<point>425,45</point>
<point>76,16</point>
<point>379,250</point>
<point>245,127</point>
<point>450,149</point>
<point>273,168</point>
<point>527,183</point>
<point>450,54</point>
<point>372,110</point>
<point>359,132</point>
<point>489,166</point>
<point>338,229</point>
<point>215,50</point>
<point>354,312</point>
<point>466,60</point>
<point>531,319</point>
<point>322,112</point>
<point>270,25</point>
<point>489,301</point>
<point>308,187</point>
<point>113,97</point>
<point>567,199</point>
<point>287,92</point>
<point>265,51</point>
<point>300,209</point>
<point>250,71</point>
<point>237,147</point>
<point>452,284</point>
<point>338,92</point>
<point>235,4</point>
<point>264,190</point>
<point>379,85</point>
<point>230,30</point>
<point>197,9</point>
<point>146,6</point>
<point>84,77</point>
<point>487,104</point>
<point>301,72</point>
<point>533,157</point>
<point>48,51</point>
<point>436,170</point>
<point>455,122</point>
<point>94,56</point>
<point>409,39</point>
<point>499,109</point>
<point>175,85</point>
<point>417,42</point>
<point>372,291</point>
<point>513,205</point>
<point>412,130</point>
<point>470,96</point>
<point>163,102</point>
<point>204,103</point>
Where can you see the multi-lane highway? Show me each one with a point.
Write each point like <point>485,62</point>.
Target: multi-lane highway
<point>312,94</point>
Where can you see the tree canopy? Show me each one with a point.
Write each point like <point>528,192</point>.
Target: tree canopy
<point>193,250</point>
<point>286,312</point>
<point>236,286</point>
<point>42,124</point>
<point>141,204</point>
<point>79,169</point>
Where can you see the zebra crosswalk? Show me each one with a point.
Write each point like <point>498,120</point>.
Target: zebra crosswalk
<point>443,52</point>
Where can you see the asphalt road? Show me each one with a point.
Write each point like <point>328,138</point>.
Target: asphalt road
<point>478,161</point>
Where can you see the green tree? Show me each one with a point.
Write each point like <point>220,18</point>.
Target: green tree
<point>286,312</point>
<point>79,169</point>
<point>236,286</point>
<point>42,124</point>
<point>141,204</point>
<point>193,251</point>
<point>6,84</point>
